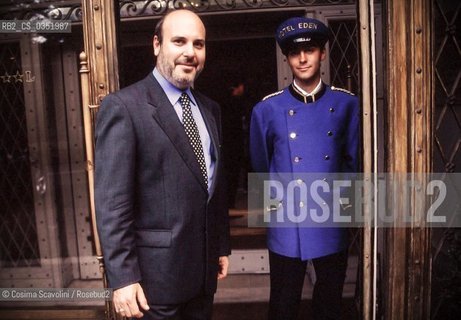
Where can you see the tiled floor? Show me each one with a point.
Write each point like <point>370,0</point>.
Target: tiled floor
<point>258,311</point>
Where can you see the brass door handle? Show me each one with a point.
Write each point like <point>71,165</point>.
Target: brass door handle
<point>40,185</point>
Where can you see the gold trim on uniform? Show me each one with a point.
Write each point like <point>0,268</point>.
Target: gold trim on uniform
<point>272,95</point>
<point>302,94</point>
<point>342,90</point>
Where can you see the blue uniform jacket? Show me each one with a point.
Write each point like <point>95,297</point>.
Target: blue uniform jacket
<point>294,134</point>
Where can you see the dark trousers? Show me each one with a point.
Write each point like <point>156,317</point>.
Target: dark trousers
<point>198,308</point>
<point>287,277</point>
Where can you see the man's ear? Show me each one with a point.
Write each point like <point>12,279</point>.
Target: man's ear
<point>156,45</point>
<point>323,54</point>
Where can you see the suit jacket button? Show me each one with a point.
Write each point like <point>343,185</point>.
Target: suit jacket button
<point>330,133</point>
<point>293,135</point>
<point>332,109</point>
<point>297,159</point>
<point>291,112</point>
<point>327,157</point>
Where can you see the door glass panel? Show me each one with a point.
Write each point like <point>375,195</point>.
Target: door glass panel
<point>18,229</point>
<point>343,54</point>
<point>446,243</point>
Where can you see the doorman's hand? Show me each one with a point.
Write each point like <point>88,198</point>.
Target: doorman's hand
<point>223,266</point>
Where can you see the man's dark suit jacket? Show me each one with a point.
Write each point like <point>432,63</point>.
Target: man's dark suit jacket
<point>158,224</point>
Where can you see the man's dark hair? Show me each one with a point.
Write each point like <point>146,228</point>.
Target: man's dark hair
<point>158,29</point>
<point>293,47</point>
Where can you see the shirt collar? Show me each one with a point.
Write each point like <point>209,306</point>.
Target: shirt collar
<point>173,94</point>
<point>304,92</point>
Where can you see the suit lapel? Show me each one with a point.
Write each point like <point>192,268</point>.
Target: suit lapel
<point>165,116</point>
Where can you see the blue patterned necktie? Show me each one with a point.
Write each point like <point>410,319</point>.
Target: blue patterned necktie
<point>191,129</point>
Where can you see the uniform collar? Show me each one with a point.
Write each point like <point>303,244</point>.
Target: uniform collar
<point>304,92</point>
<point>318,93</point>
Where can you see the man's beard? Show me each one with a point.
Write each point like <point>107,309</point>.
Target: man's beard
<point>179,79</point>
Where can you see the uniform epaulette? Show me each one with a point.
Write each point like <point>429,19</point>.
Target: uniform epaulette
<point>272,95</point>
<point>342,90</point>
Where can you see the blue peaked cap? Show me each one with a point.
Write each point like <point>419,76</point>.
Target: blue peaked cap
<point>300,30</point>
